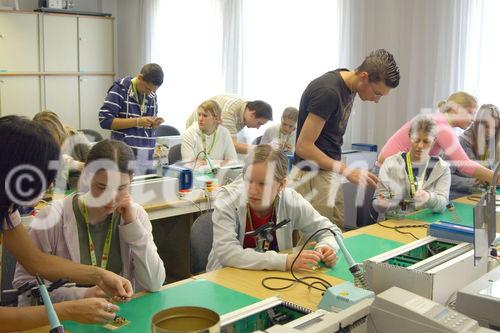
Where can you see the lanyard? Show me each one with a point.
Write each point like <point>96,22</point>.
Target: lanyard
<point>249,215</point>
<point>204,143</point>
<point>107,242</point>
<point>287,136</point>
<point>136,93</point>
<point>420,182</point>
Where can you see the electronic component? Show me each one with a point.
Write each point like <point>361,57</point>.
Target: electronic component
<point>117,323</point>
<point>431,267</point>
<point>443,229</point>
<point>342,296</point>
<point>392,311</point>
<point>262,315</point>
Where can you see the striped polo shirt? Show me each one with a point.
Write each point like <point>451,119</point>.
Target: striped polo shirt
<point>121,102</point>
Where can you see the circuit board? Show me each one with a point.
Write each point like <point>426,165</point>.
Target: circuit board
<point>420,253</point>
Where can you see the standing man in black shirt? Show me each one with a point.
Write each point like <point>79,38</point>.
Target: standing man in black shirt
<point>324,110</point>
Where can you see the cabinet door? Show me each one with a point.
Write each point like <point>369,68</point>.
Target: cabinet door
<point>93,90</point>
<point>61,96</point>
<point>20,95</point>
<point>95,44</point>
<point>60,43</point>
<point>19,42</point>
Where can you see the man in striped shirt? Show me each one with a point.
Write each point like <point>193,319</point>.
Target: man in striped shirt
<point>130,111</point>
<point>238,113</point>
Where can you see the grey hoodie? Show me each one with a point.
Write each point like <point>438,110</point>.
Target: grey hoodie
<point>394,182</point>
<point>229,222</point>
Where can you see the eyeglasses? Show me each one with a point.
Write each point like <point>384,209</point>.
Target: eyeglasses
<point>375,92</point>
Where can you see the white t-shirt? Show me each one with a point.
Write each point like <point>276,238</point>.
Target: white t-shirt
<point>221,149</point>
<point>272,136</point>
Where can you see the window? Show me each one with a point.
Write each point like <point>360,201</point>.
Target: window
<point>189,50</point>
<point>286,44</point>
<point>482,63</point>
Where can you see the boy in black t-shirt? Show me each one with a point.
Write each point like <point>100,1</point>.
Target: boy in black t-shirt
<point>324,111</point>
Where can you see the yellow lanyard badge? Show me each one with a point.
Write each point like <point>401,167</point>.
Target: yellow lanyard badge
<point>287,136</point>
<point>204,142</point>
<point>107,242</point>
<point>136,94</point>
<point>420,183</point>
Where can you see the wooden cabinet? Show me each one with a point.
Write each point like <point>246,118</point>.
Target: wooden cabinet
<point>61,96</point>
<point>19,42</point>
<point>95,44</point>
<point>60,43</point>
<point>63,63</point>
<point>19,95</point>
<point>93,90</point>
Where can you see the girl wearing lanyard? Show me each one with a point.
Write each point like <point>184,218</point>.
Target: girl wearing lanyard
<point>458,111</point>
<point>481,142</point>
<point>100,227</point>
<point>414,176</point>
<point>260,197</point>
<point>34,161</point>
<point>283,135</point>
<point>207,138</point>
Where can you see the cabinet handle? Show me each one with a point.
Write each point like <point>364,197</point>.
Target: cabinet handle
<point>3,35</point>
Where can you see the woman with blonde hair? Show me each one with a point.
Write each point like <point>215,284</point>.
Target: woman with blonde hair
<point>207,138</point>
<point>74,145</point>
<point>453,115</point>
<point>260,197</point>
<point>459,108</point>
<point>283,135</point>
<point>50,120</point>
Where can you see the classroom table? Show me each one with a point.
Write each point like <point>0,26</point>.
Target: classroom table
<point>228,289</point>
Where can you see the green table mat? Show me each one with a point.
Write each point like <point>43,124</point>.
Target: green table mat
<point>361,247</point>
<point>465,213</point>
<point>139,311</point>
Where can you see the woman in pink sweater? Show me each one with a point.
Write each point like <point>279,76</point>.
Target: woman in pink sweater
<point>458,111</point>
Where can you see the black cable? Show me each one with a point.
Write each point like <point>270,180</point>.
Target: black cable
<point>325,284</point>
<point>396,228</point>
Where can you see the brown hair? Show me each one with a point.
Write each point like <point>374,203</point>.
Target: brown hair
<point>50,120</point>
<point>266,153</point>
<point>461,98</point>
<point>381,66</point>
<point>116,151</point>
<point>261,108</point>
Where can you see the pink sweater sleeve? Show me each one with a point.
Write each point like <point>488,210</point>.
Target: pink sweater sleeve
<point>448,141</point>
<point>399,141</point>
